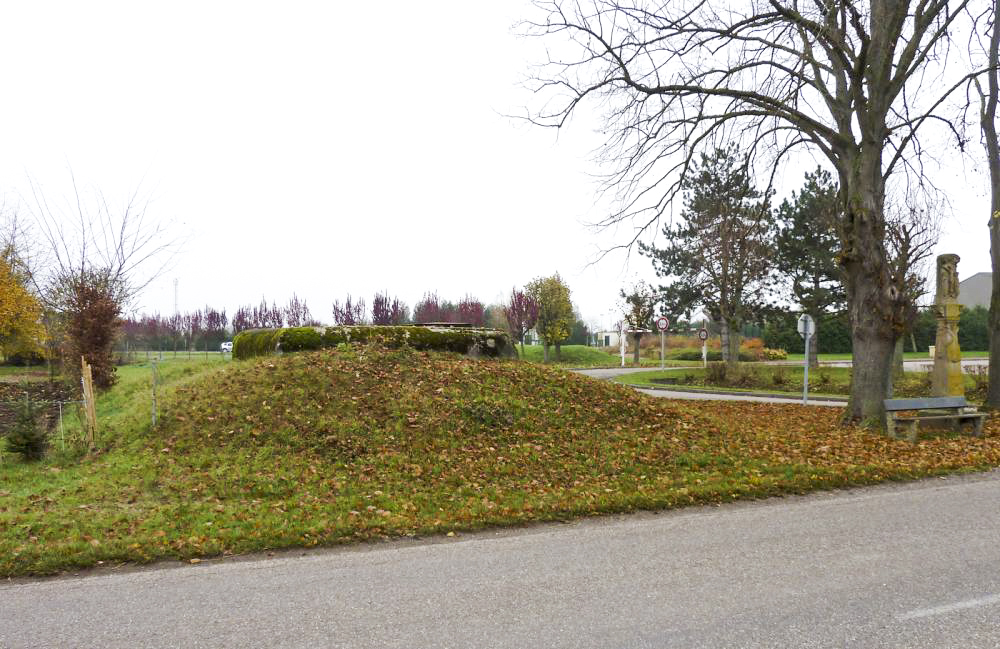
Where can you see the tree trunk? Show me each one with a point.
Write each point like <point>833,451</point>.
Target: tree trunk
<point>545,355</point>
<point>730,332</point>
<point>988,121</point>
<point>635,352</point>
<point>875,304</point>
<point>897,362</point>
<point>558,353</point>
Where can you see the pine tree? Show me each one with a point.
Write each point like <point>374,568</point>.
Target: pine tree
<point>28,437</point>
<point>720,256</point>
<point>807,243</point>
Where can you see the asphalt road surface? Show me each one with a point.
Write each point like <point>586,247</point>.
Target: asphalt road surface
<point>915,565</point>
<point>610,373</point>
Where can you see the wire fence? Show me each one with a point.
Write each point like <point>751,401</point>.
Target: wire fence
<point>60,408</point>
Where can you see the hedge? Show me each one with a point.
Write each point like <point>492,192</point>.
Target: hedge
<point>835,332</point>
<point>470,341</point>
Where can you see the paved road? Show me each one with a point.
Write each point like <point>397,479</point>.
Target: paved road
<point>916,565</point>
<point>610,373</point>
<point>968,364</point>
<point>730,396</point>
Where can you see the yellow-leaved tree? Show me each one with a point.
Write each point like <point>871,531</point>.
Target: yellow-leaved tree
<point>20,311</point>
<point>555,311</point>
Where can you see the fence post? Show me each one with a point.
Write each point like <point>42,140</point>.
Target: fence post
<point>87,377</point>
<point>154,392</point>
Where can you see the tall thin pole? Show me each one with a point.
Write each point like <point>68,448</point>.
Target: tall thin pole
<point>805,379</point>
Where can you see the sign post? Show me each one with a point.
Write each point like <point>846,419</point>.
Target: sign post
<point>662,323</point>
<point>621,339</point>
<point>703,337</point>
<point>805,328</point>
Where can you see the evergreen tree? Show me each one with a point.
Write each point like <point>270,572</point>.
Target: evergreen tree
<point>720,256</point>
<point>27,437</point>
<point>806,245</point>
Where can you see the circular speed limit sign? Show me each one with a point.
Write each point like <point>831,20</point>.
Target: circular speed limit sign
<point>662,323</point>
<point>703,334</point>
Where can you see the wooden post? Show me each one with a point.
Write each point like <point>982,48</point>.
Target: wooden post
<point>90,412</point>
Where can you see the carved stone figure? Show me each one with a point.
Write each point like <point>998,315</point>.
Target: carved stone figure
<point>946,377</point>
<point>947,279</point>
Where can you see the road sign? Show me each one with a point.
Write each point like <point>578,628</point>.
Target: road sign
<point>662,323</point>
<point>806,329</point>
<point>807,326</point>
<point>703,335</point>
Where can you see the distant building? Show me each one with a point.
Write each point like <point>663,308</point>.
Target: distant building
<point>608,339</point>
<point>975,291</point>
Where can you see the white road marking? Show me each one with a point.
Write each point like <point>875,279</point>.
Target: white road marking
<point>950,608</point>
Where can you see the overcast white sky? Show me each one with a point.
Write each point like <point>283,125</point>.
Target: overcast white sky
<point>324,148</point>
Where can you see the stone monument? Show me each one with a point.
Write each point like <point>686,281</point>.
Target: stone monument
<point>946,377</point>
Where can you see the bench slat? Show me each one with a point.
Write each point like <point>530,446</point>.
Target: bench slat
<point>926,403</point>
<point>964,415</point>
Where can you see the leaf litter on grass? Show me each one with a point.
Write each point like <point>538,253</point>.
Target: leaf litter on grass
<point>341,445</point>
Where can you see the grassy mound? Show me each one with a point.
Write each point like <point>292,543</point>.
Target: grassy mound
<point>335,446</point>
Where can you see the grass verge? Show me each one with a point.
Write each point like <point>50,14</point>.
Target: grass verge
<point>783,379</point>
<point>338,446</point>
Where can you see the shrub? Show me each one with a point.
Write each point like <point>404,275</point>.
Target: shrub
<point>715,373</point>
<point>981,383</point>
<point>744,377</point>
<point>768,354</point>
<point>779,377</point>
<point>695,355</point>
<point>26,358</point>
<point>28,436</point>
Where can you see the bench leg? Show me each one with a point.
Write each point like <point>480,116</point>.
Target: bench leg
<point>979,426</point>
<point>890,426</point>
<point>913,432</point>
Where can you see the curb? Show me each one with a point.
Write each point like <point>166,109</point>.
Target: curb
<point>768,395</point>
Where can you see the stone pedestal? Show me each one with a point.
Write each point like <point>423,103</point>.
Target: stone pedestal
<point>946,377</point>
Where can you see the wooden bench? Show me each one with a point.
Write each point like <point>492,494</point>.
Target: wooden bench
<point>953,411</point>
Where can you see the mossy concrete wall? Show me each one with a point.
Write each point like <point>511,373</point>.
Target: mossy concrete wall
<point>463,340</point>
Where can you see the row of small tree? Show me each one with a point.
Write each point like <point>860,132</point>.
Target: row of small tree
<point>203,329</point>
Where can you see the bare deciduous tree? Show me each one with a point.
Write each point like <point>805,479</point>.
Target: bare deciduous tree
<point>854,81</point>
<point>96,260</point>
<point>987,119</point>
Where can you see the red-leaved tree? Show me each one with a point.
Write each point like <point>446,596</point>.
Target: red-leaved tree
<point>522,314</point>
<point>471,311</point>
<point>350,312</point>
<point>428,309</point>
<point>386,311</point>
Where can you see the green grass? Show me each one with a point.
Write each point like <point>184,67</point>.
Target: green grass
<point>14,374</point>
<point>338,446</point>
<point>578,356</point>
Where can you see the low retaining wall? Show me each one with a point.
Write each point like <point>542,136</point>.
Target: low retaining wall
<point>464,340</point>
